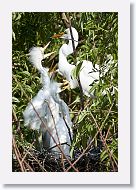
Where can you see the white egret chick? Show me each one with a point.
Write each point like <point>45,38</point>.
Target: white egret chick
<point>87,73</point>
<point>58,119</point>
<point>36,109</point>
<point>44,113</point>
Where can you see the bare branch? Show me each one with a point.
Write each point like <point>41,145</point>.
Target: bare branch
<point>16,151</point>
<point>65,20</point>
<point>105,145</point>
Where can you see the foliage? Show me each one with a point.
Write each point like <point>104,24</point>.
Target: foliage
<point>98,33</point>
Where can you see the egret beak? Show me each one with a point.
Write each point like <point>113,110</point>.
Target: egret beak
<point>63,36</point>
<point>48,54</point>
<point>45,47</point>
<point>58,35</point>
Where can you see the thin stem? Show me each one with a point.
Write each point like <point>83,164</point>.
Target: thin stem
<point>17,154</point>
<point>99,131</point>
<point>53,121</point>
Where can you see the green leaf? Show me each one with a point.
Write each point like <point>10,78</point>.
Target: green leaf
<point>26,73</point>
<point>109,96</point>
<point>14,99</point>
<point>104,155</point>
<point>82,116</point>
<point>76,70</point>
<point>13,35</point>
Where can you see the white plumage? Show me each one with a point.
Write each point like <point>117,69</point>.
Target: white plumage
<point>47,111</point>
<point>87,74</point>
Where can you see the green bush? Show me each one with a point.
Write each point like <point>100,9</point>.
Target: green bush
<point>98,42</point>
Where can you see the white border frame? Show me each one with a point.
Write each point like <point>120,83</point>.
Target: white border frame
<point>123,174</point>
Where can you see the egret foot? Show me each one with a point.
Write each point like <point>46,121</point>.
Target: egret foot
<point>65,85</point>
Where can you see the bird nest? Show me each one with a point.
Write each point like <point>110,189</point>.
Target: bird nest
<point>33,160</point>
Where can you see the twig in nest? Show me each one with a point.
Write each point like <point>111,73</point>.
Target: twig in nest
<point>17,154</point>
<point>104,142</point>
<point>105,145</point>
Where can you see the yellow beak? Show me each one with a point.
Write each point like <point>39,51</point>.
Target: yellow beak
<point>45,47</point>
<point>47,54</point>
<point>58,35</point>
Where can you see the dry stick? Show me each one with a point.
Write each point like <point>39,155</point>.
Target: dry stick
<point>32,157</point>
<point>104,140</point>
<point>56,131</point>
<point>14,115</point>
<point>62,162</point>
<point>35,159</point>
<point>84,151</point>
<point>104,143</point>
<point>65,20</point>
<point>23,160</point>
<point>17,155</point>
<point>91,140</point>
<point>45,125</point>
<point>53,121</point>
<point>16,150</point>
<point>76,117</point>
<point>107,133</point>
<point>16,120</point>
<point>69,132</point>
<point>28,166</point>
<point>68,25</point>
<point>102,127</point>
<point>27,153</point>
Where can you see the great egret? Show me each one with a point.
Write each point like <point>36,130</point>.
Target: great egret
<point>87,73</point>
<point>47,111</point>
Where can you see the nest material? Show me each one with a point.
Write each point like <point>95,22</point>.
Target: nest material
<point>43,161</point>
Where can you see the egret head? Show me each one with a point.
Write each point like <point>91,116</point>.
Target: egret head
<point>36,55</point>
<point>67,34</point>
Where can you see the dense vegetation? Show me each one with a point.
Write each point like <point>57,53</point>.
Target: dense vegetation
<point>98,122</point>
